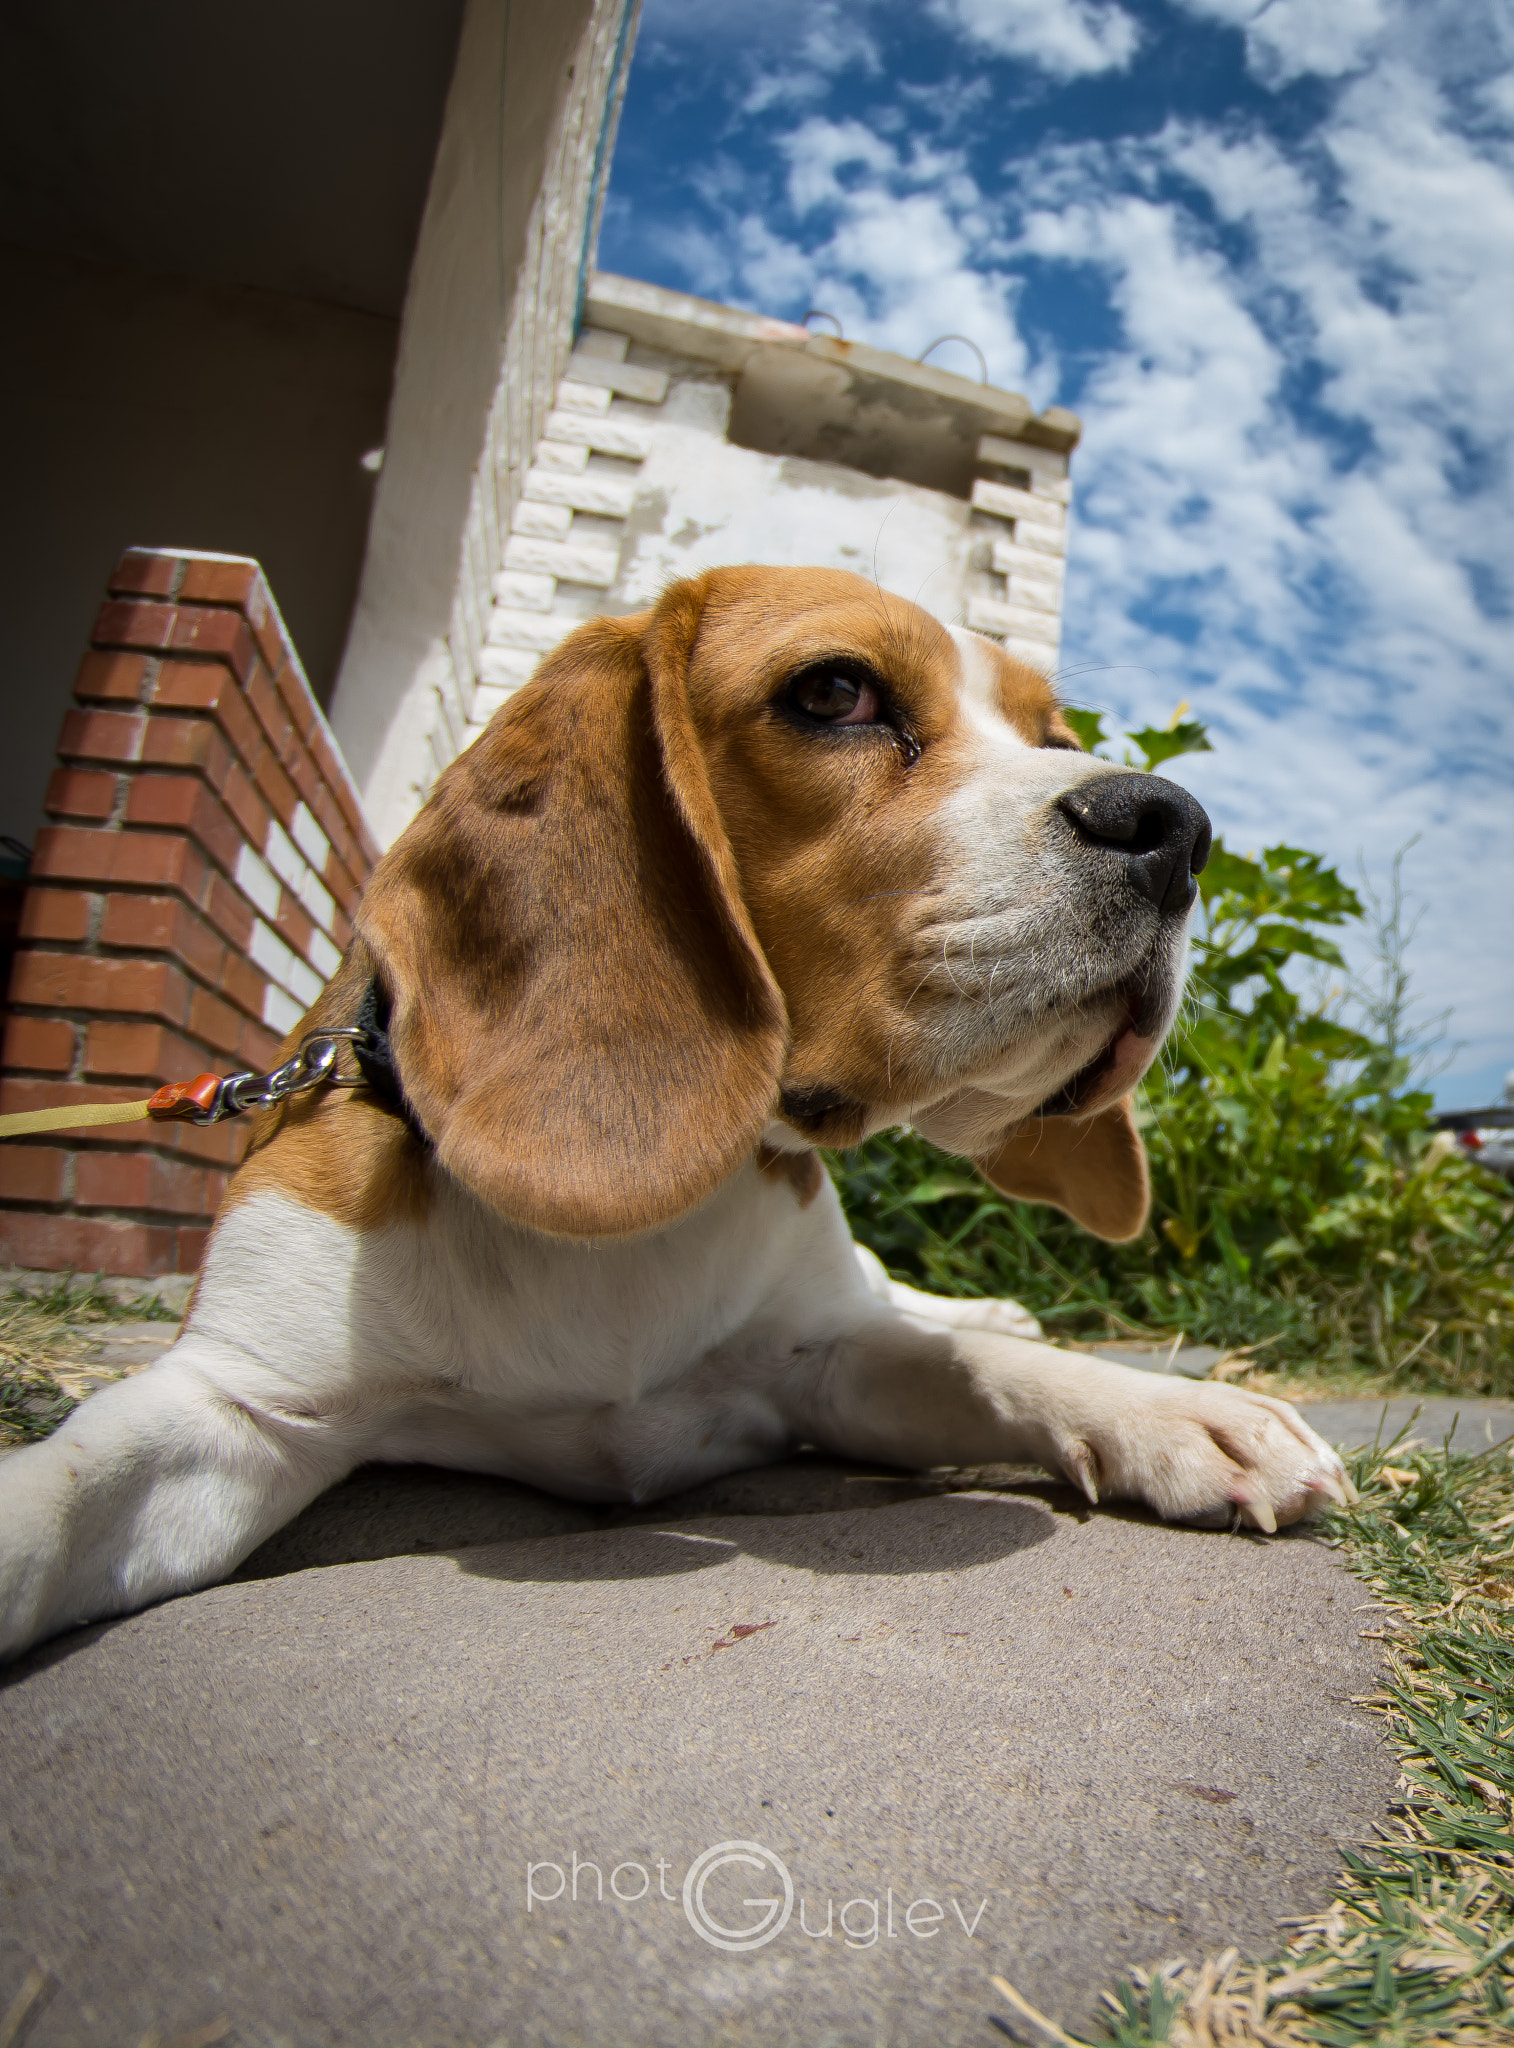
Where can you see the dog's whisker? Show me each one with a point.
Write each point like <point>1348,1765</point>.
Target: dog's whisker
<point>888,1063</point>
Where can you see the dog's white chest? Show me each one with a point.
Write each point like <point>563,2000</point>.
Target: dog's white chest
<point>611,1369</point>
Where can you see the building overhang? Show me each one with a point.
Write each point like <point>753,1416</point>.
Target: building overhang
<point>829,400</point>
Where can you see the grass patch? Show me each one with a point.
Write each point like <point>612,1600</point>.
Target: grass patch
<point>1425,1303</point>
<point>49,1351</point>
<point>1417,1945</point>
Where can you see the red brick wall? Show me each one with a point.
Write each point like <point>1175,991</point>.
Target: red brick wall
<point>189,897</point>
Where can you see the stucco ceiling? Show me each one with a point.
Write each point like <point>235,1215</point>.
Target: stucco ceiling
<point>284,145</point>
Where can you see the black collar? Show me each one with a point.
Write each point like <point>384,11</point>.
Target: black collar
<point>375,1055</point>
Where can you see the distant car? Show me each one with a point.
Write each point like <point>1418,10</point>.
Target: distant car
<point>1486,1135</point>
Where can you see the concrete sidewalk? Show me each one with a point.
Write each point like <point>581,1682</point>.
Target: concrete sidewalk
<point>967,1732</point>
<point>1470,1425</point>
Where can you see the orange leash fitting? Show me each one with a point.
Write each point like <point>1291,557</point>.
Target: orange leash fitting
<point>180,1100</point>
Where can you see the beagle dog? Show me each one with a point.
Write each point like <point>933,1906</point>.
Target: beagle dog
<point>778,864</point>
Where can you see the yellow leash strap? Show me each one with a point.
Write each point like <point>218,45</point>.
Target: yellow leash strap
<point>74,1119</point>
<point>179,1100</point>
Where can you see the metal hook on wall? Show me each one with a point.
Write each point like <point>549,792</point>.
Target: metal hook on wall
<point>966,342</point>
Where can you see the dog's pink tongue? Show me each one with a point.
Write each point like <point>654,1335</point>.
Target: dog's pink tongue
<point>1132,1056</point>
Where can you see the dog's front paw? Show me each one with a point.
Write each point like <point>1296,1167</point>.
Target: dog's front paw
<point>1197,1452</point>
<point>1003,1318</point>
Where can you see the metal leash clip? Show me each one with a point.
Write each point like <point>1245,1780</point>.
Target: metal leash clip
<point>209,1099</point>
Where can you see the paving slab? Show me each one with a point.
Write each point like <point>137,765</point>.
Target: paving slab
<point>1187,1361</point>
<point>1470,1425</point>
<point>457,1796</point>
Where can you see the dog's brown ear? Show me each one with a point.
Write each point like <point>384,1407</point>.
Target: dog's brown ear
<point>583,1020</point>
<point>1094,1168</point>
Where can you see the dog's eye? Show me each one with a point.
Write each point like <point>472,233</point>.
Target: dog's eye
<point>835,698</point>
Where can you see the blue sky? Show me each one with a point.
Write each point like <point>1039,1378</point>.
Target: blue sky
<point>1267,252</point>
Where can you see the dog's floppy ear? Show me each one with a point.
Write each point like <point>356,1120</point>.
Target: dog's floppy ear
<point>583,1020</point>
<point>1092,1167</point>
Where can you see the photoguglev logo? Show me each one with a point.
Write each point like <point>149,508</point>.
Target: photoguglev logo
<point>773,1913</point>
<point>739,1896</point>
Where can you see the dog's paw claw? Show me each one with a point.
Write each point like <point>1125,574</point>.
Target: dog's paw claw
<point>1081,1467</point>
<point>1335,1486</point>
<point>1255,1508</point>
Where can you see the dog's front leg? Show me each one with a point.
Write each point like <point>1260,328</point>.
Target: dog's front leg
<point>156,1485</point>
<point>1192,1450</point>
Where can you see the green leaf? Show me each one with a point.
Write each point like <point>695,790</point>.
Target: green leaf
<point>1088,725</point>
<point>1158,745</point>
<point>1288,939</point>
<point>940,1187</point>
<point>1235,1115</point>
<point>1333,1041</point>
<point>1309,887</point>
<point>1233,873</point>
<point>1285,883</point>
<point>1282,1248</point>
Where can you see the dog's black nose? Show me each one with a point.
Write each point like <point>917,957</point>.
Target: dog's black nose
<point>1154,827</point>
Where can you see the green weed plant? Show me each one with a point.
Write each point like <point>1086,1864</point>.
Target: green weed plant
<point>1302,1203</point>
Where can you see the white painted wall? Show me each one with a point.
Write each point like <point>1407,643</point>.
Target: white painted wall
<point>701,504</point>
<point>487,326</point>
<point>635,483</point>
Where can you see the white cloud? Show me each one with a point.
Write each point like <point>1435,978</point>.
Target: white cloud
<point>830,43</point>
<point>1233,13</point>
<point>1498,94</point>
<point>1067,38</point>
<point>1294,37</point>
<point>1287,39</point>
<point>787,54</point>
<point>818,153</point>
<point>898,243</point>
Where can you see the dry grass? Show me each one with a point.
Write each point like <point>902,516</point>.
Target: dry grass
<point>50,1353</point>
<point>1417,1946</point>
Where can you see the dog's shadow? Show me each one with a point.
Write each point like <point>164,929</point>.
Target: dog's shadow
<point>810,1512</point>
